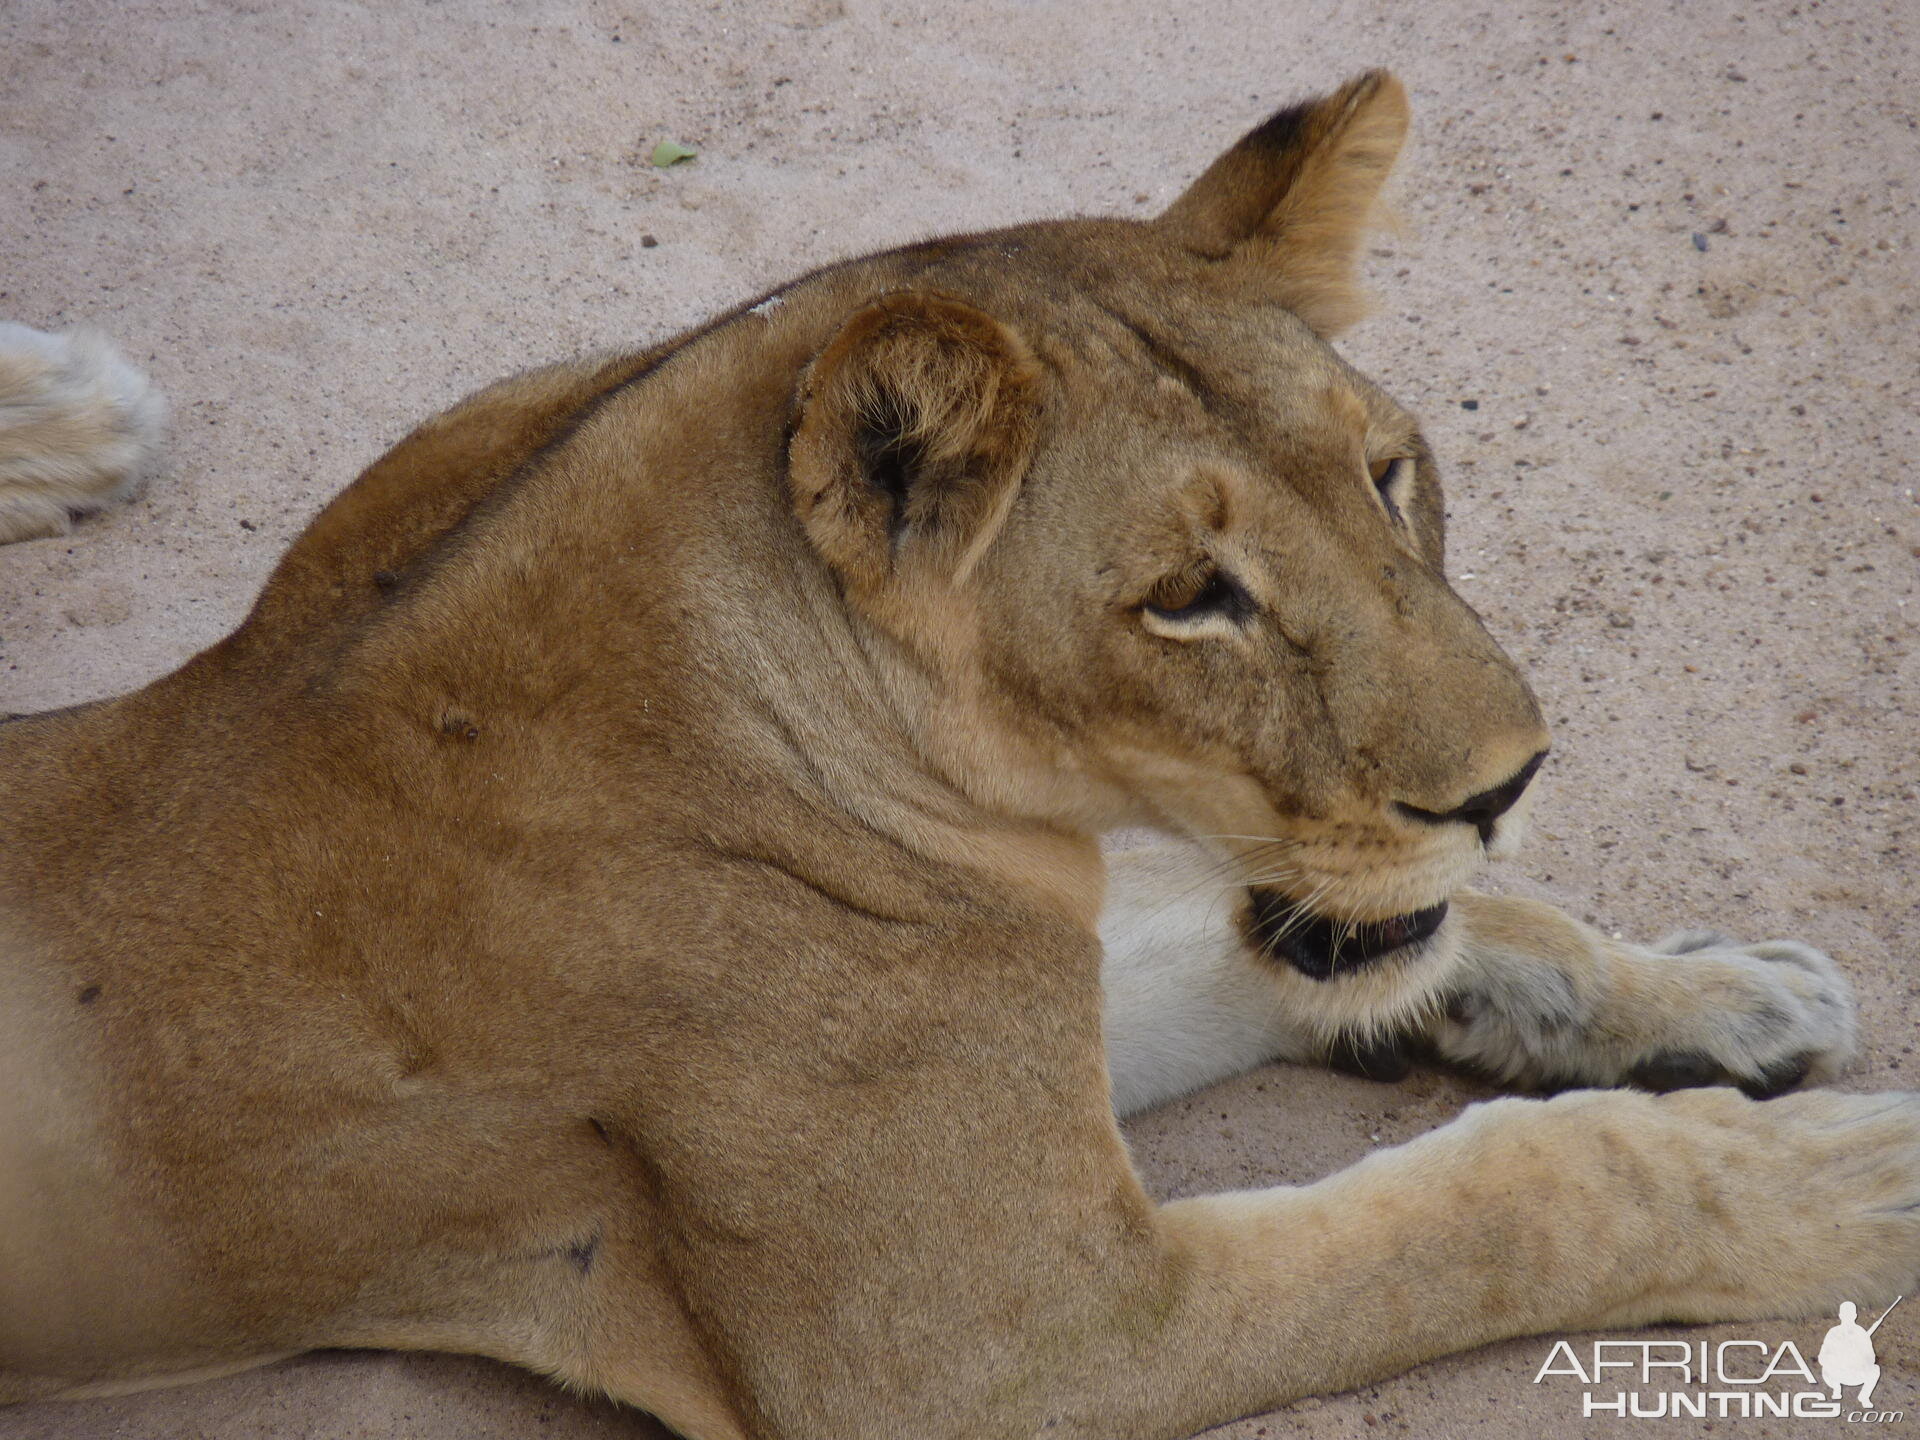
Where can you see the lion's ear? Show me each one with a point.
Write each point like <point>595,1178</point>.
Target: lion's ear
<point>1298,193</point>
<point>916,423</point>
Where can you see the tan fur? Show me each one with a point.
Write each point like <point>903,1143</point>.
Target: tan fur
<point>624,900</point>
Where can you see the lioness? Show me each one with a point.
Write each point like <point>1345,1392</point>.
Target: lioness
<point>627,901</point>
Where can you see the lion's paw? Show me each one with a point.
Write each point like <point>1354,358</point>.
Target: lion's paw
<point>79,428</point>
<point>1697,1009</point>
<point>1796,1205</point>
<point>1766,1017</point>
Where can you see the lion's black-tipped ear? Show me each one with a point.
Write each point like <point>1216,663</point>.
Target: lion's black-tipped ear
<point>916,424</point>
<point>1298,192</point>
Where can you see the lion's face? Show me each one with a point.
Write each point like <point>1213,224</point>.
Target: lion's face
<point>1235,601</point>
<point>1170,556</point>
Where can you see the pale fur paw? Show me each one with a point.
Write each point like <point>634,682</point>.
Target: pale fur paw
<point>1780,1013</point>
<point>79,429</point>
<point>1793,1206</point>
<point>1697,1009</point>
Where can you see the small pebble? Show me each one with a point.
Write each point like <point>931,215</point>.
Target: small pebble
<point>1699,241</point>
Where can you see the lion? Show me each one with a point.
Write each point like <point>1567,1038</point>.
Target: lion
<point>628,900</point>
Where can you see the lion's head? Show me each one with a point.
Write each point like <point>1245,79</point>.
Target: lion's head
<point>1150,549</point>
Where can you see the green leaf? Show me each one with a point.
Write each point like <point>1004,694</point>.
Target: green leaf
<point>671,152</point>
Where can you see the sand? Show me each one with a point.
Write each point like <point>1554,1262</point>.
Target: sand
<point>1654,299</point>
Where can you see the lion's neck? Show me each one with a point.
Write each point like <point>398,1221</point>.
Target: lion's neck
<point>603,618</point>
<point>862,728</point>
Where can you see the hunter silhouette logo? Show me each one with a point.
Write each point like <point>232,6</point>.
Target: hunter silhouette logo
<point>1734,1379</point>
<point>1846,1355</point>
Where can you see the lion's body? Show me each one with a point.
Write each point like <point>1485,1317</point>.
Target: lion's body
<point>623,904</point>
<point>441,830</point>
<point>451,818</point>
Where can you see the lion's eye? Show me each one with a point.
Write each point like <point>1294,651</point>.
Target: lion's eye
<point>1218,594</point>
<point>1393,479</point>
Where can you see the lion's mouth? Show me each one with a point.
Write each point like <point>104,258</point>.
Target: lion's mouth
<point>1320,948</point>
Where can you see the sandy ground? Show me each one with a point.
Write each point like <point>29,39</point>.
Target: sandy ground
<point>1655,300</point>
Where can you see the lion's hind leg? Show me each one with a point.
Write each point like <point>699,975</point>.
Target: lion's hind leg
<point>1544,1001</point>
<point>79,428</point>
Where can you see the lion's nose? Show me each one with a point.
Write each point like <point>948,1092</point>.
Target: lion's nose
<point>1482,810</point>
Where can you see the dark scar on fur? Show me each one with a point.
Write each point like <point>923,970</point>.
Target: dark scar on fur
<point>76,709</point>
<point>1557,1009</point>
<point>582,1253</point>
<point>1770,1020</point>
<point>1168,360</point>
<point>90,994</point>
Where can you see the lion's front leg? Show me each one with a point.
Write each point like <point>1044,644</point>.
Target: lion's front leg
<point>1599,1209</point>
<point>1543,1000</point>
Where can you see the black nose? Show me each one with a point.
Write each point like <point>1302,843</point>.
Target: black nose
<point>1480,811</point>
